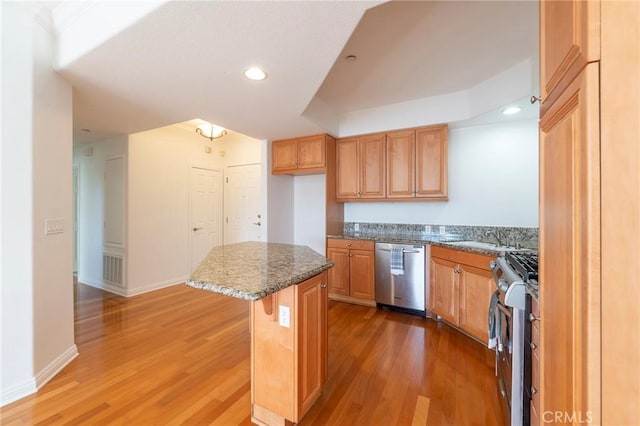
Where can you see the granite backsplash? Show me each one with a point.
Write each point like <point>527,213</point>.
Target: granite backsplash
<point>526,237</point>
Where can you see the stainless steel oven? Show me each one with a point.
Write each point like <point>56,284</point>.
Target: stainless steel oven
<point>508,313</point>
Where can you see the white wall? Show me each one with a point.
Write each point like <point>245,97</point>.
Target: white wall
<point>493,181</point>
<point>309,228</point>
<point>158,205</point>
<point>37,291</point>
<point>279,193</point>
<point>91,162</point>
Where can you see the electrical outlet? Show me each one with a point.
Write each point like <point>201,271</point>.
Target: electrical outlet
<point>284,318</point>
<point>443,230</point>
<point>427,229</point>
<point>356,227</point>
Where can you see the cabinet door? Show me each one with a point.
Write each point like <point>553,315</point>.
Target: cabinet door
<point>444,285</point>
<point>431,162</point>
<point>284,156</point>
<point>569,273</point>
<point>569,39</point>
<point>401,173</point>
<point>475,289</point>
<point>310,319</point>
<point>361,276</point>
<point>372,167</point>
<point>311,153</point>
<point>339,274</point>
<point>347,169</point>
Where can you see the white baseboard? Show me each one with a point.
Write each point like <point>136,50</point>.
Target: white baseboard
<point>32,385</point>
<point>128,292</point>
<point>18,392</point>
<point>156,286</point>
<point>103,286</point>
<point>54,367</point>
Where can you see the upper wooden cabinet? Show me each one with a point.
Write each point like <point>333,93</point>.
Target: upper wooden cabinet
<point>404,165</point>
<point>417,163</point>
<point>569,39</point>
<point>360,167</point>
<point>306,155</point>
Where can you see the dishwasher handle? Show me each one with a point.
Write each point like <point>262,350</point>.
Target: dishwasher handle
<point>403,250</point>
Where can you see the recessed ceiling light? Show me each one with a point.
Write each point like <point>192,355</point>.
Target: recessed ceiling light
<point>511,110</point>
<point>350,58</point>
<point>255,73</point>
<point>86,130</point>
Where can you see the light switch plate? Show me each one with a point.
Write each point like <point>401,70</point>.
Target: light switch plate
<point>53,226</point>
<point>284,318</point>
<point>356,227</point>
<point>427,229</point>
<point>442,230</point>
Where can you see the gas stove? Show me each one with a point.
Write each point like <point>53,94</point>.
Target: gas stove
<point>525,264</point>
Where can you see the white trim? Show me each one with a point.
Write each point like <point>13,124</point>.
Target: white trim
<point>156,286</point>
<point>103,286</point>
<point>33,384</point>
<point>128,292</point>
<point>17,392</point>
<point>55,366</point>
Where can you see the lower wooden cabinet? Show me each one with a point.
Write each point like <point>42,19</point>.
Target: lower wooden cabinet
<point>461,287</point>
<point>288,351</point>
<point>352,278</point>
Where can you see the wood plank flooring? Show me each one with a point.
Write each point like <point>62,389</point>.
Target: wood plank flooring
<point>181,356</point>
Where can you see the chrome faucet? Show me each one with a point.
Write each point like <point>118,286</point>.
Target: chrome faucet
<point>490,233</point>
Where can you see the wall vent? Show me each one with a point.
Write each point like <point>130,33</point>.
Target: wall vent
<point>112,269</point>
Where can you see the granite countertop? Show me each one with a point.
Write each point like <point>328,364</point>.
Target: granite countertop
<point>446,241</point>
<point>253,270</point>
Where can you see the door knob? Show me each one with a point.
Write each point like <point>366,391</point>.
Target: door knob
<point>257,223</point>
<point>196,229</point>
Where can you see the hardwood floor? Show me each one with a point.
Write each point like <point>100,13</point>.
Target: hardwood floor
<point>181,356</point>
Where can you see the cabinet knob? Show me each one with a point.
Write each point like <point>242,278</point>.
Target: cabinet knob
<point>533,391</point>
<point>532,345</point>
<point>323,285</point>
<point>533,318</point>
<point>535,99</point>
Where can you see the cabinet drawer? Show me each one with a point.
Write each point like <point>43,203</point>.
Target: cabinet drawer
<point>463,257</point>
<point>350,244</point>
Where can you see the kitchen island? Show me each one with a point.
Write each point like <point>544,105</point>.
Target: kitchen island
<point>287,287</point>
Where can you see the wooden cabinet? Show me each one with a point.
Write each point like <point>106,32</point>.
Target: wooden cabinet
<point>589,209</point>
<point>404,165</point>
<point>461,287</point>
<point>569,39</point>
<point>417,163</point>
<point>534,346</point>
<point>360,167</point>
<point>306,155</point>
<point>289,361</point>
<point>352,278</point>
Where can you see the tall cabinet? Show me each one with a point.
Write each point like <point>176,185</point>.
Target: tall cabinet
<point>589,182</point>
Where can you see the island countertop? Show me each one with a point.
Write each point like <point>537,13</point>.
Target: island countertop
<point>253,270</point>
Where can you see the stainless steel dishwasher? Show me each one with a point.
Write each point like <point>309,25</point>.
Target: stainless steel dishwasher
<point>408,291</point>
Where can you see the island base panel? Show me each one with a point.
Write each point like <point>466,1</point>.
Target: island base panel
<point>263,417</point>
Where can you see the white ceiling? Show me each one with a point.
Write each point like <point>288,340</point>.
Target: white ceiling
<point>184,59</point>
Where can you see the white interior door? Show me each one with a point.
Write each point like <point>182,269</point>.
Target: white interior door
<point>76,210</point>
<point>242,197</point>
<point>206,213</point>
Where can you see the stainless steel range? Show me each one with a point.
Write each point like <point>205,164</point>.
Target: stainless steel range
<point>508,327</point>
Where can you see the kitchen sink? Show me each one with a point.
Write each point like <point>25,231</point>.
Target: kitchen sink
<point>481,245</point>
